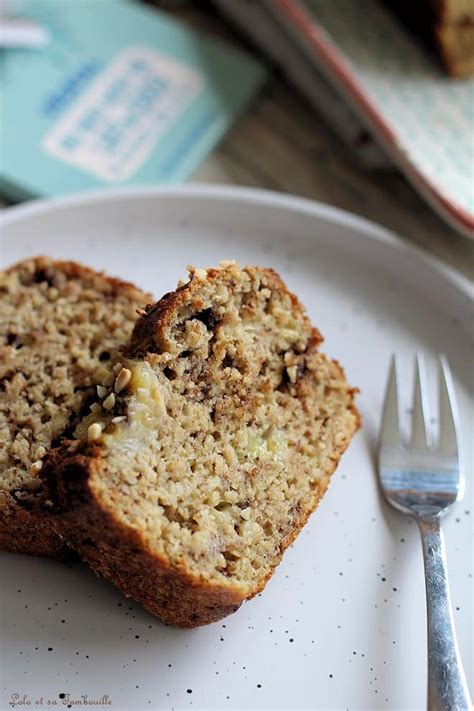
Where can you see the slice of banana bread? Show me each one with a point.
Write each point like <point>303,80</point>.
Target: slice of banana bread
<point>59,323</point>
<point>211,447</point>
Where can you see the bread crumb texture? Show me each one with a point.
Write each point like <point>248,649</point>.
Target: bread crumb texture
<point>225,426</point>
<point>59,325</point>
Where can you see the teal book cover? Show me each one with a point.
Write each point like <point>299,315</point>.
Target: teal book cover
<point>122,95</point>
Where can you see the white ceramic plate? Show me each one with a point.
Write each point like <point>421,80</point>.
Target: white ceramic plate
<point>342,622</point>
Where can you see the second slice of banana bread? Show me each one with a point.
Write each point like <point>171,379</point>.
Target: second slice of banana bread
<point>59,323</point>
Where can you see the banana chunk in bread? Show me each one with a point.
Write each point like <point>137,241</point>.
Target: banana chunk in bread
<point>216,436</point>
<point>59,323</point>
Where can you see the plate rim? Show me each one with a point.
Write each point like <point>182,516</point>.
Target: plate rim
<point>256,196</point>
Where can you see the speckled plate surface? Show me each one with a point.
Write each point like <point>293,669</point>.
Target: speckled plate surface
<point>342,622</point>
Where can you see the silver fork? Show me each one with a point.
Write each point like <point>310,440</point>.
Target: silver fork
<point>424,481</point>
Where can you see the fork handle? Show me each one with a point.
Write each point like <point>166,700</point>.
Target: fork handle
<point>447,687</point>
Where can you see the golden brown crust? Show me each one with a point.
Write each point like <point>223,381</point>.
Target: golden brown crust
<point>75,270</point>
<point>23,529</point>
<point>119,554</point>
<point>148,330</point>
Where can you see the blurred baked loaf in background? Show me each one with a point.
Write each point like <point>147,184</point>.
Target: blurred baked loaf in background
<point>447,26</point>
